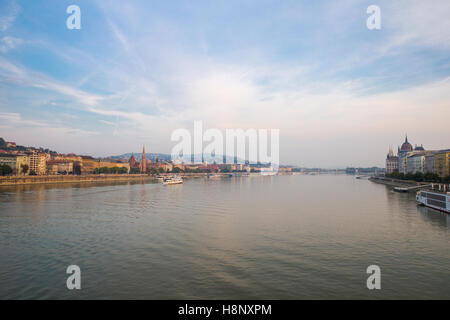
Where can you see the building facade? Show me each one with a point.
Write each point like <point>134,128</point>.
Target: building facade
<point>391,162</point>
<point>60,167</point>
<point>429,163</point>
<point>415,163</point>
<point>38,163</point>
<point>19,163</point>
<point>402,155</point>
<point>442,163</point>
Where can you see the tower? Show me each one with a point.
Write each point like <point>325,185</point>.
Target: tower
<point>132,161</point>
<point>143,161</point>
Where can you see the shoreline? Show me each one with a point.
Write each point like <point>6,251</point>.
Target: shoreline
<point>95,178</point>
<point>391,182</point>
<point>33,180</point>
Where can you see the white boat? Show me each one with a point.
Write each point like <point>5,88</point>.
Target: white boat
<point>434,199</point>
<point>173,180</point>
<point>268,173</point>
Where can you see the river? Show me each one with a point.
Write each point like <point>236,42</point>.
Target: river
<point>279,237</point>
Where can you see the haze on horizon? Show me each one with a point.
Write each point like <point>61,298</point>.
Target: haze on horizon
<point>137,70</point>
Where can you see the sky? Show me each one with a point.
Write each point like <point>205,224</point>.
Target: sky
<point>339,93</point>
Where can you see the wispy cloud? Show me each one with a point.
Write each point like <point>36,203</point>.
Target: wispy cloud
<point>9,10</point>
<point>311,69</point>
<point>13,73</point>
<point>9,43</point>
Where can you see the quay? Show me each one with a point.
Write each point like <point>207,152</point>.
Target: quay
<point>409,185</point>
<point>25,180</point>
<point>48,179</point>
<point>399,184</point>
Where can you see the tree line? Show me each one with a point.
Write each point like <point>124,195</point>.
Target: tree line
<point>419,176</point>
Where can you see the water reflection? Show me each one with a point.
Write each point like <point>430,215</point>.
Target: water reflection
<point>435,217</point>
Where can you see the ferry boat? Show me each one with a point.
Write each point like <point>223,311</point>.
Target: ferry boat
<point>434,199</point>
<point>172,180</point>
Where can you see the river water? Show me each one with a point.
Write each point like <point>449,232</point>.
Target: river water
<point>280,237</point>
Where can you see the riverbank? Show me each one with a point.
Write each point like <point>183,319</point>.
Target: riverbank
<point>396,182</point>
<point>27,180</point>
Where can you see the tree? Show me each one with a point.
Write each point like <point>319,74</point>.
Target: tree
<point>135,170</point>
<point>2,143</point>
<point>431,177</point>
<point>153,171</point>
<point>160,170</point>
<point>5,170</point>
<point>123,170</point>
<point>418,176</point>
<point>176,170</point>
<point>25,168</point>
<point>33,173</point>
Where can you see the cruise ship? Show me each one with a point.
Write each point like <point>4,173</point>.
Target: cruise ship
<point>434,199</point>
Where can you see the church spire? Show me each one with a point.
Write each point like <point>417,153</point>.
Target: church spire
<point>143,161</point>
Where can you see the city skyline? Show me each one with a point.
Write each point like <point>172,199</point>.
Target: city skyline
<point>339,93</point>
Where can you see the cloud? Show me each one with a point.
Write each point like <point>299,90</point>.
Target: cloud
<point>108,122</point>
<point>420,23</point>
<point>15,121</point>
<point>9,43</point>
<point>9,11</point>
<point>310,69</point>
<point>15,74</point>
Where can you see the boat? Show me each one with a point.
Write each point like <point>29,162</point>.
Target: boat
<point>268,173</point>
<point>401,189</point>
<point>172,180</point>
<point>213,176</point>
<point>434,199</point>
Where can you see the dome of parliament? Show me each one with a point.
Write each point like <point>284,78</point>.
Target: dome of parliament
<point>406,146</point>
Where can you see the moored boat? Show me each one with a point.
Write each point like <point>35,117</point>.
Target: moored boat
<point>434,199</point>
<point>172,180</point>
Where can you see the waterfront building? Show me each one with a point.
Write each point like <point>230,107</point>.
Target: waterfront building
<point>228,167</point>
<point>16,162</point>
<point>67,157</point>
<point>164,166</point>
<point>402,155</point>
<point>209,167</point>
<point>442,163</point>
<point>87,165</point>
<point>179,166</point>
<point>60,167</point>
<point>415,163</point>
<point>38,162</point>
<point>391,162</point>
<point>191,166</point>
<point>429,163</point>
<point>112,164</point>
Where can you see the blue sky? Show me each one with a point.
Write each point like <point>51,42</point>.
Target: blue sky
<point>339,93</point>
